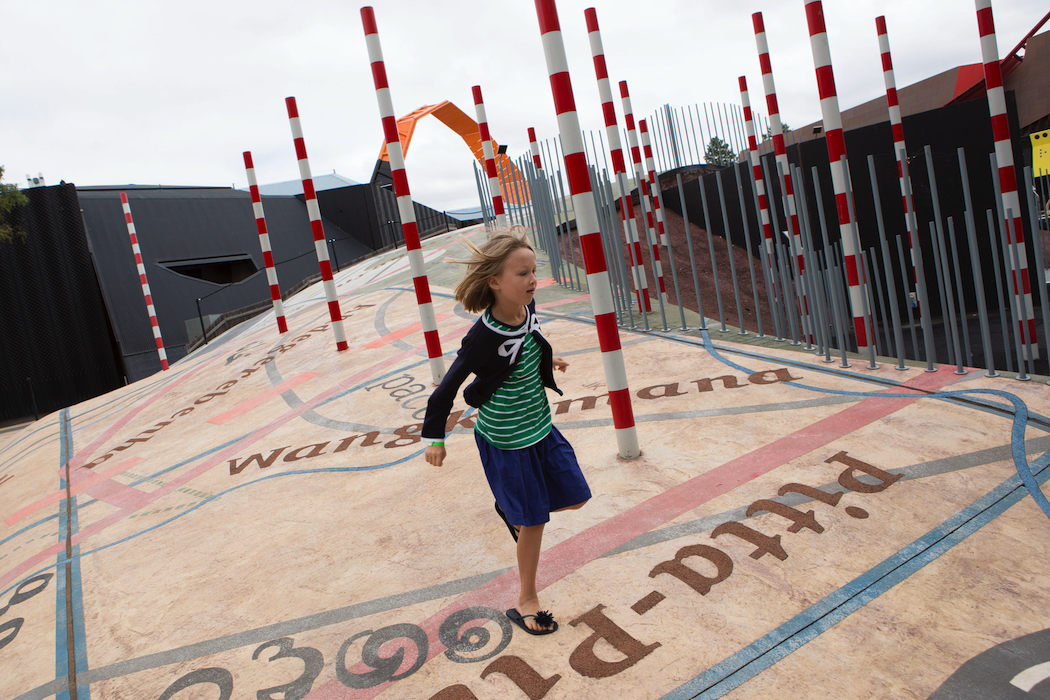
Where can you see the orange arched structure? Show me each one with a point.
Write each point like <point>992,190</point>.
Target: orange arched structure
<point>512,183</point>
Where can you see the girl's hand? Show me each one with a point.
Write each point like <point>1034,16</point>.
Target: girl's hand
<point>435,454</point>
<point>560,364</point>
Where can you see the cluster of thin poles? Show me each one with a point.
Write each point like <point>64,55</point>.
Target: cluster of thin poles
<point>809,304</point>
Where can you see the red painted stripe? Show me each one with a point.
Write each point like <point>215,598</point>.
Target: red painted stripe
<point>326,269</point>
<point>422,290</point>
<point>609,113</point>
<point>764,64</point>
<point>756,20</point>
<point>815,18</point>
<point>390,133</point>
<point>608,334</point>
<point>887,62</point>
<point>891,97</point>
<point>261,398</point>
<point>985,23</point>
<point>842,206</point>
<point>497,205</point>
<point>532,134</point>
<point>123,198</point>
<point>860,327</point>
<point>593,253</point>
<point>547,14</point>
<point>127,218</point>
<point>561,89</point>
<point>622,411</point>
<point>880,24</point>
<point>300,149</point>
<point>248,160</point>
<point>282,324</point>
<point>771,105</point>
<point>293,109</point>
<point>591,16</point>
<point>576,170</point>
<point>268,258</point>
<point>851,270</point>
<point>433,343</point>
<point>317,229</point>
<point>476,91</point>
<point>400,178</point>
<point>836,145</point>
<point>275,292</point>
<point>1000,128</point>
<point>1007,180</point>
<point>368,19</point>
<point>379,75</point>
<point>601,72</point>
<point>483,132</point>
<point>826,82</point>
<point>334,310</point>
<point>993,76</point>
<point>411,232</point>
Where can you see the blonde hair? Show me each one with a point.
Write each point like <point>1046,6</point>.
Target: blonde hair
<point>486,262</point>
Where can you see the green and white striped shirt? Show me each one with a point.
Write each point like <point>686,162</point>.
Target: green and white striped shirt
<point>518,414</point>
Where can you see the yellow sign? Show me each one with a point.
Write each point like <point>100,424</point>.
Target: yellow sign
<point>1040,153</point>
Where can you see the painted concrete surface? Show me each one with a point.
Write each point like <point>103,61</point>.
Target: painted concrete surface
<point>259,522</point>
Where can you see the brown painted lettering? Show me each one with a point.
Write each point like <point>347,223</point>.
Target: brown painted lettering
<point>779,375</point>
<point>524,676</point>
<point>97,461</point>
<point>849,481</point>
<point>208,397</point>
<point>583,659</point>
<point>263,463</point>
<point>454,692</point>
<point>369,440</point>
<point>227,386</point>
<point>454,420</point>
<point>315,450</point>
<point>764,543</point>
<point>183,412</point>
<point>246,372</point>
<point>832,499</point>
<point>667,390</point>
<point>798,518</point>
<point>587,403</point>
<point>320,329</point>
<point>728,382</point>
<point>157,429</point>
<point>690,577</point>
<point>406,432</point>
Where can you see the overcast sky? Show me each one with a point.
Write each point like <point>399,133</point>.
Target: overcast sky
<point>147,92</point>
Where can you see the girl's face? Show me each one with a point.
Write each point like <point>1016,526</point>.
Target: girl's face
<point>516,283</point>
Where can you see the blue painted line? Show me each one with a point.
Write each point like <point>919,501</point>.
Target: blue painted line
<point>822,616</point>
<point>803,628</point>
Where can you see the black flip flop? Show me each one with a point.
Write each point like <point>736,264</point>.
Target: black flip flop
<point>513,530</point>
<point>543,617</point>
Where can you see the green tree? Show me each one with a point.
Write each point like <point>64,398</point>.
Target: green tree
<point>11,198</point>
<point>719,153</point>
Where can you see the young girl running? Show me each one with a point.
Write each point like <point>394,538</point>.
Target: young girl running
<point>531,468</point>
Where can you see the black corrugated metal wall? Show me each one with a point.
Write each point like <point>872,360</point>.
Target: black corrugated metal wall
<point>55,345</point>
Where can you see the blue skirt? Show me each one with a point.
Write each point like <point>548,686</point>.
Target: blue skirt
<point>531,482</point>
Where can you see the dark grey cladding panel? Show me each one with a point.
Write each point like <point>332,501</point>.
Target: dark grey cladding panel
<point>179,224</point>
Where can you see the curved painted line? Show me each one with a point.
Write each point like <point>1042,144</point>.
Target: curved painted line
<point>1020,420</point>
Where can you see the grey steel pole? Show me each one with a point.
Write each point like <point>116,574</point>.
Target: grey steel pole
<point>940,286</point>
<point>898,335</point>
<point>729,251</point>
<point>1037,243</point>
<point>833,282</point>
<point>747,242</point>
<point>1017,302</point>
<point>864,295</point>
<point>904,267</point>
<point>978,276</point>
<point>964,328</point>
<point>1003,321</point>
<point>796,271</point>
<point>815,285</point>
<point>692,257</point>
<point>711,251</point>
<point>920,270</point>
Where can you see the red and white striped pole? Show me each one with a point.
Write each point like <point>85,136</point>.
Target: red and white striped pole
<point>639,175</point>
<point>534,148</point>
<point>264,242</point>
<point>780,154</point>
<point>833,137</point>
<point>404,196</point>
<point>756,170</point>
<point>490,160</point>
<point>144,282</point>
<point>1004,155</point>
<point>587,227</point>
<point>898,131</point>
<point>314,211</point>
<point>654,201</point>
<point>654,188</point>
<point>612,132</point>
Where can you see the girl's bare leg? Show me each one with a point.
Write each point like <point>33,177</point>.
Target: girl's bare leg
<point>529,541</point>
<point>575,507</point>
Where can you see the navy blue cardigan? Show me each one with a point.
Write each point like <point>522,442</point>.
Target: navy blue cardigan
<point>492,355</point>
